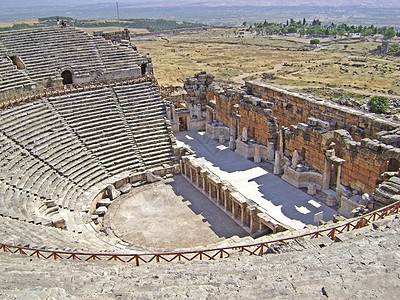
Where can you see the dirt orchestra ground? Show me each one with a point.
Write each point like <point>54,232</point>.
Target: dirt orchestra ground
<point>170,215</point>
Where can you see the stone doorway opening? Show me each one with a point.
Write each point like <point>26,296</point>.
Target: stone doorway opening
<point>67,77</point>
<point>333,165</point>
<point>183,123</point>
<point>143,68</point>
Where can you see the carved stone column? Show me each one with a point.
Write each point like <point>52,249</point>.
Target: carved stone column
<point>277,163</point>
<point>326,176</point>
<point>257,154</point>
<point>271,151</point>
<point>242,214</point>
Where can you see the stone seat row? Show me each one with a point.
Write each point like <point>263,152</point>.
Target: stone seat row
<point>136,98</point>
<point>72,152</point>
<point>20,205</point>
<point>43,180</point>
<point>15,117</point>
<point>48,238</point>
<point>148,106</point>
<point>11,77</point>
<point>43,52</point>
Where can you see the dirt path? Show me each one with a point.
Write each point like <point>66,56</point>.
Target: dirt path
<point>240,79</point>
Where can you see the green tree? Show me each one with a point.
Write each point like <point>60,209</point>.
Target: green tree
<point>316,22</point>
<point>315,41</point>
<point>389,33</point>
<point>395,49</point>
<point>291,29</point>
<point>378,104</point>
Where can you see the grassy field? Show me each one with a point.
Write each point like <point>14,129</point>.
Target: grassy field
<point>337,68</point>
<point>28,21</point>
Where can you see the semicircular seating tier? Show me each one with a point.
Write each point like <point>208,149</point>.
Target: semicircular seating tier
<point>43,54</point>
<point>53,151</point>
<point>11,78</point>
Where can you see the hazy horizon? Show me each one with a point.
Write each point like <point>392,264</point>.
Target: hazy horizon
<point>207,3</point>
<point>225,12</point>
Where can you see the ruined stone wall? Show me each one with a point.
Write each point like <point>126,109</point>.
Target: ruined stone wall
<point>308,143</point>
<point>293,108</point>
<point>255,115</point>
<point>263,110</point>
<point>365,161</point>
<point>259,121</point>
<point>223,107</point>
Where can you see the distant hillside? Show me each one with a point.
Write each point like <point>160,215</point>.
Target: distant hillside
<point>210,3</point>
<point>226,12</point>
<point>152,25</point>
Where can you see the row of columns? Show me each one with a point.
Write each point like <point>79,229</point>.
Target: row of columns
<point>222,193</point>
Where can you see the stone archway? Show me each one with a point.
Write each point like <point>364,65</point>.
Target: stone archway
<point>67,77</point>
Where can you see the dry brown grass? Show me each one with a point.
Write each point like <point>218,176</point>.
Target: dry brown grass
<point>27,21</point>
<point>331,70</point>
<point>90,30</point>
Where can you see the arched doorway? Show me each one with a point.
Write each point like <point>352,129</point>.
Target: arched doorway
<point>67,77</point>
<point>143,68</point>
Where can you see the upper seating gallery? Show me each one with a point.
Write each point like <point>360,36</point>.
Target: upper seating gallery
<point>54,56</point>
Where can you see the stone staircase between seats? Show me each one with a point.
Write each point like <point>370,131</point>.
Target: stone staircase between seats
<point>145,113</point>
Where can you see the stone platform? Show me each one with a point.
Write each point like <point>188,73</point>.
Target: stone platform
<point>280,200</point>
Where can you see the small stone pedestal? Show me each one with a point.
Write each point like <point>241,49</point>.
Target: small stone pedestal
<point>331,200</point>
<point>311,189</point>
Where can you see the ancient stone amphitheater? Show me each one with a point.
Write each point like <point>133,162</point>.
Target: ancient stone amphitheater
<point>82,122</point>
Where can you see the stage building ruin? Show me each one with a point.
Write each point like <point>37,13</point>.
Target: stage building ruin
<point>350,155</point>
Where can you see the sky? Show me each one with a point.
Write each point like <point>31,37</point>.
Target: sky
<point>212,12</point>
<point>161,3</point>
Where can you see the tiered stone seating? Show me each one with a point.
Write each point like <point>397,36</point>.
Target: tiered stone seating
<point>388,190</point>
<point>363,266</point>
<point>56,148</point>
<point>145,112</point>
<point>59,151</point>
<point>45,50</point>
<point>117,59</point>
<point>11,78</point>
<point>53,162</point>
<point>44,237</point>
<point>22,205</point>
<point>95,118</point>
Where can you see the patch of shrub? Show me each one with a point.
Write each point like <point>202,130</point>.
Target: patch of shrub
<point>378,104</point>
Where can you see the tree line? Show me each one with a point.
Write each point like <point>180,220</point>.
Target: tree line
<point>152,25</point>
<point>316,28</point>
